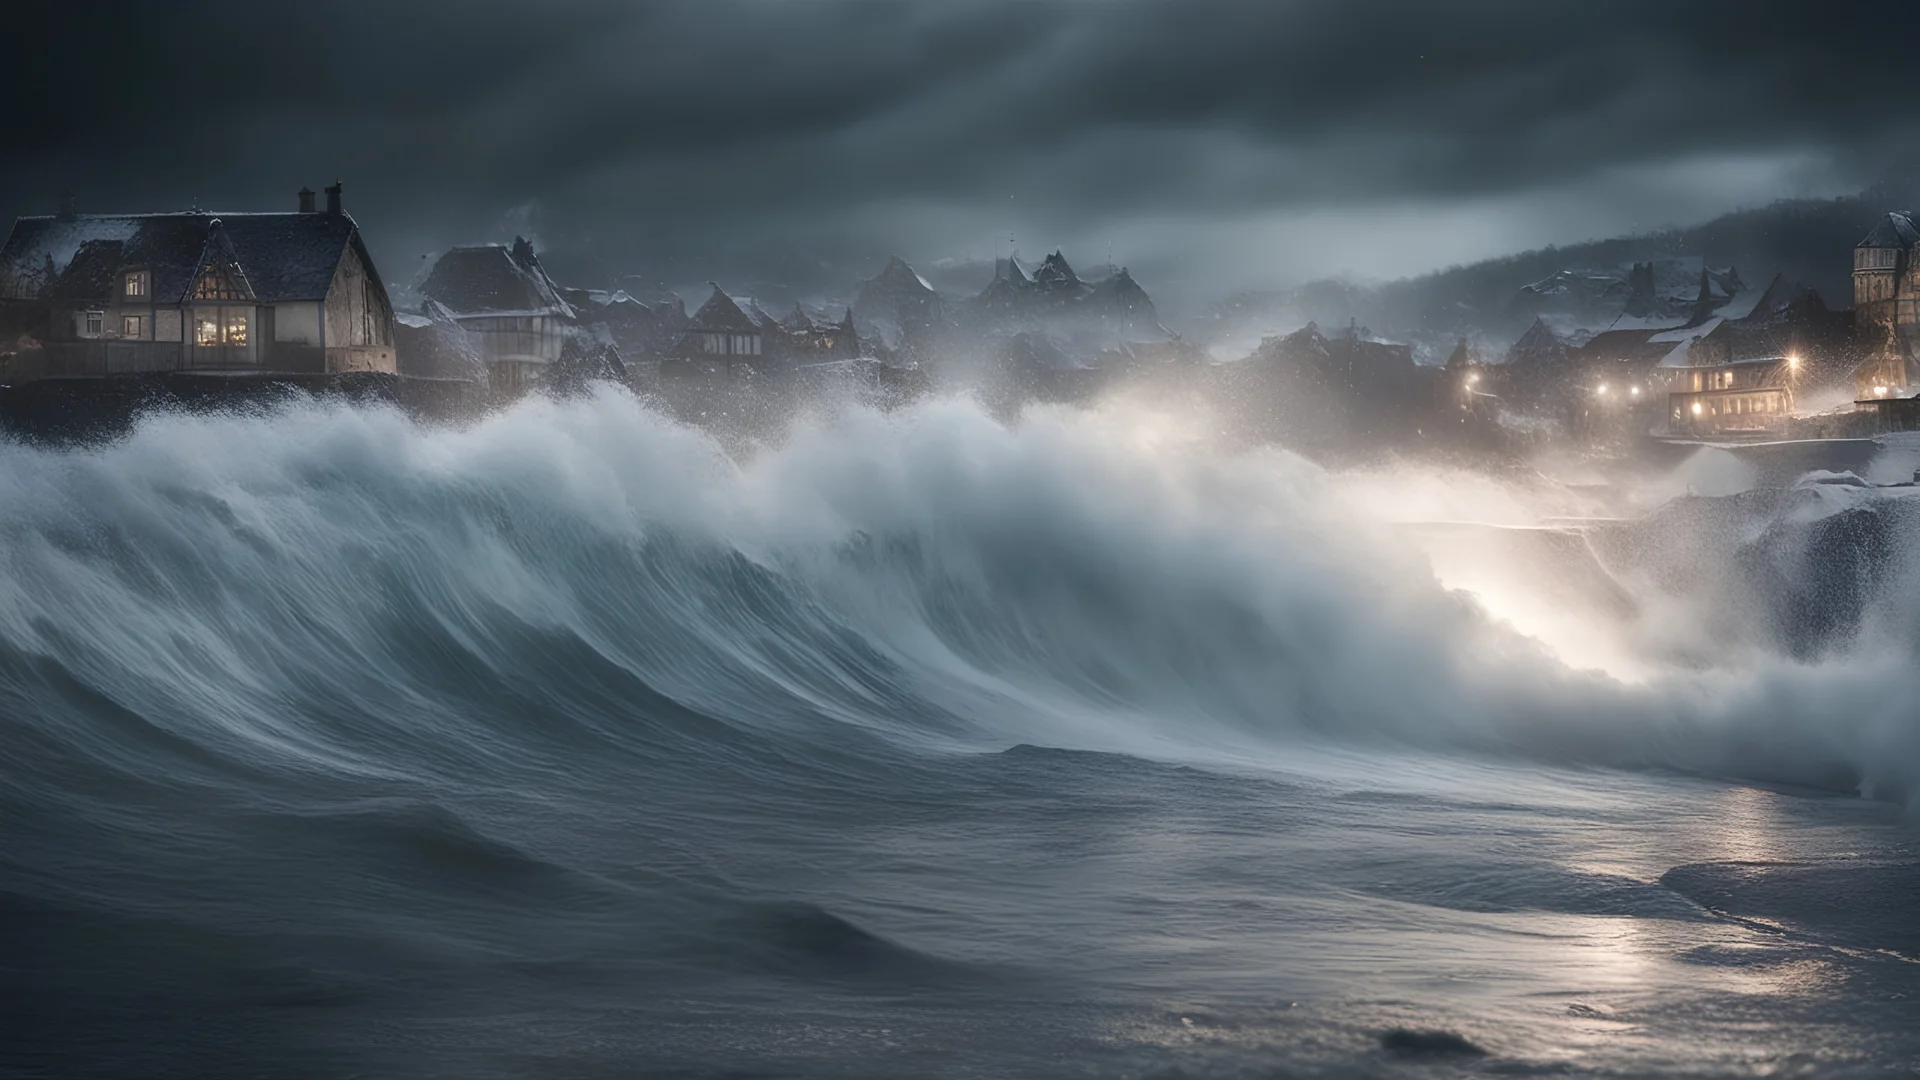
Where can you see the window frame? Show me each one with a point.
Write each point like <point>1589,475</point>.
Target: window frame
<point>136,284</point>
<point>133,326</point>
<point>213,333</point>
<point>217,283</point>
<point>227,324</point>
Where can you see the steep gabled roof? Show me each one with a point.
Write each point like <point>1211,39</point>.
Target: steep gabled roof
<point>494,279</point>
<point>93,272</point>
<point>1004,292</point>
<point>897,275</point>
<point>1625,346</point>
<point>1009,288</point>
<point>761,318</point>
<point>1055,275</point>
<point>797,320</point>
<point>1539,344</point>
<point>219,262</point>
<point>1121,292</point>
<point>282,256</point>
<point>1784,300</point>
<point>721,314</point>
<point>289,256</point>
<point>1896,230</point>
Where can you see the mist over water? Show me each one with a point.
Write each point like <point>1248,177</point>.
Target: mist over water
<point>566,743</point>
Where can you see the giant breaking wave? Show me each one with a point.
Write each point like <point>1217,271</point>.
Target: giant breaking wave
<point>327,591</point>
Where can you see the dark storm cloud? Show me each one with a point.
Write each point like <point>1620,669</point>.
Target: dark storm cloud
<point>710,118</point>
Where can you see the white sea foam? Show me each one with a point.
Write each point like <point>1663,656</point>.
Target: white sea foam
<point>1099,579</point>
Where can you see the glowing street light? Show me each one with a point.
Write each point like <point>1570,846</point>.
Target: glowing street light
<point>1879,391</point>
<point>1602,390</point>
<point>1634,391</point>
<point>1696,408</point>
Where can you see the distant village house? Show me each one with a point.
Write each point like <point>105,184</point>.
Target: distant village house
<point>731,338</point>
<point>1886,307</point>
<point>1735,397</point>
<point>133,293</point>
<point>502,297</point>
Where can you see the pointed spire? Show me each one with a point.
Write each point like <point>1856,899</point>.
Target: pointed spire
<point>797,321</point>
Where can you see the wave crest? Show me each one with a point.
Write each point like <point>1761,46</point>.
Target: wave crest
<point>330,591</point>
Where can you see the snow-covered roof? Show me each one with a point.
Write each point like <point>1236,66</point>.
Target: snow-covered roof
<point>797,320</point>
<point>1896,230</point>
<point>1678,357</point>
<point>494,280</point>
<point>282,256</point>
<point>898,274</point>
<point>1783,299</point>
<point>720,313</point>
<point>758,314</point>
<point>1055,275</point>
<point>1688,333</point>
<point>1540,342</point>
<point>1625,346</point>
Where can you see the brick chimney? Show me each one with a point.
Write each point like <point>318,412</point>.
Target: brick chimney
<point>306,200</point>
<point>333,199</point>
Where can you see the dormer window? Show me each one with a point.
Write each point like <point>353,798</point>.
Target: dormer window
<point>217,284</point>
<point>137,284</point>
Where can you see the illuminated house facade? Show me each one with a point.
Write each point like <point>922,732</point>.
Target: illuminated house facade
<point>1886,308</point>
<point>1734,398</point>
<point>127,294</point>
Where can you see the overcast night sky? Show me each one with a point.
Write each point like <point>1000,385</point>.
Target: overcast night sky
<point>1268,141</point>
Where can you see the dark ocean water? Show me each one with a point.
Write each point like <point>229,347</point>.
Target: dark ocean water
<point>567,746</point>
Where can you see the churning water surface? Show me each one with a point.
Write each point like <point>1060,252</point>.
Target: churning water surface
<point>567,745</point>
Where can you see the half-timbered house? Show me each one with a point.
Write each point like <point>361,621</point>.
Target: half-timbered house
<point>1886,308</point>
<point>727,339</point>
<point>131,293</point>
<point>507,304</point>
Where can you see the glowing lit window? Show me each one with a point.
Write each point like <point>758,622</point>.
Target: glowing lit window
<point>236,320</point>
<point>137,283</point>
<point>206,329</point>
<point>130,326</point>
<point>217,284</point>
